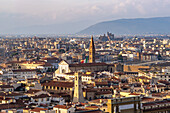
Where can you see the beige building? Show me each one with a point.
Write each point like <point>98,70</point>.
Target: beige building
<point>92,51</point>
<point>156,107</point>
<point>164,77</point>
<point>63,109</point>
<point>78,92</point>
<point>124,105</point>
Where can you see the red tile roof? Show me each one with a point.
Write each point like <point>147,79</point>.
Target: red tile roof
<point>59,84</point>
<point>40,96</point>
<point>62,106</point>
<point>12,106</point>
<point>38,109</point>
<point>87,64</point>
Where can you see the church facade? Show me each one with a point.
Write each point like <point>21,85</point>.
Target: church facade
<point>65,67</point>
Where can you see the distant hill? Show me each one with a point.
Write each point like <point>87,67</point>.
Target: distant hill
<point>158,25</point>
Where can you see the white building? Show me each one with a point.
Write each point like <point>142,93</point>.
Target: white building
<point>25,73</point>
<point>41,99</point>
<point>64,109</point>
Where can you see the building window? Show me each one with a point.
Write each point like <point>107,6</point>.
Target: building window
<point>36,100</point>
<point>63,71</point>
<point>48,99</point>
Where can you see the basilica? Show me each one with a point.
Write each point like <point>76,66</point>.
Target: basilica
<point>65,67</point>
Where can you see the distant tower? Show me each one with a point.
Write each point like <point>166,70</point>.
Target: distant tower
<point>92,51</point>
<point>78,92</point>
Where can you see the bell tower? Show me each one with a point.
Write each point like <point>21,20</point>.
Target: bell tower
<point>78,92</point>
<point>92,51</point>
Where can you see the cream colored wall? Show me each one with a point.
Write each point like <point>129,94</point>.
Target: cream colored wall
<point>29,66</point>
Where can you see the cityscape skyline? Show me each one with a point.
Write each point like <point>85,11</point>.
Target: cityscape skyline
<point>49,63</point>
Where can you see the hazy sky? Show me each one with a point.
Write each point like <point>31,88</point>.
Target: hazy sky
<point>80,13</point>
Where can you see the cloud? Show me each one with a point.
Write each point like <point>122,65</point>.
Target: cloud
<point>63,10</point>
<point>30,12</point>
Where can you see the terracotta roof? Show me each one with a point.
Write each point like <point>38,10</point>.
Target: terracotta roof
<point>87,64</point>
<point>32,91</point>
<point>50,58</point>
<point>161,86</point>
<point>62,106</point>
<point>59,84</point>
<point>40,96</point>
<point>6,86</point>
<point>24,70</point>
<point>89,111</point>
<point>38,109</point>
<point>108,88</point>
<point>143,77</point>
<point>164,82</point>
<point>103,92</point>
<point>6,98</point>
<point>147,99</point>
<point>101,83</point>
<point>14,94</point>
<point>93,107</point>
<point>70,73</point>
<point>12,62</point>
<point>98,100</point>
<point>134,94</point>
<point>46,64</point>
<point>12,106</point>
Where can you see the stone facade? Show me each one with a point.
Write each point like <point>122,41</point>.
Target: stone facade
<point>78,92</point>
<point>92,51</point>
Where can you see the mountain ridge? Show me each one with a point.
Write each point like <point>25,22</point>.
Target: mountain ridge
<point>155,25</point>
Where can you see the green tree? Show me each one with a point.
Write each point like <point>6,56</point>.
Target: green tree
<point>120,57</point>
<point>159,57</point>
<point>38,57</point>
<point>61,51</point>
<point>19,67</point>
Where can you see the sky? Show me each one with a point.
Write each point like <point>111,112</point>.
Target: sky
<point>70,16</point>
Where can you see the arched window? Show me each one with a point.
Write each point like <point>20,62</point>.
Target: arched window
<point>63,71</point>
